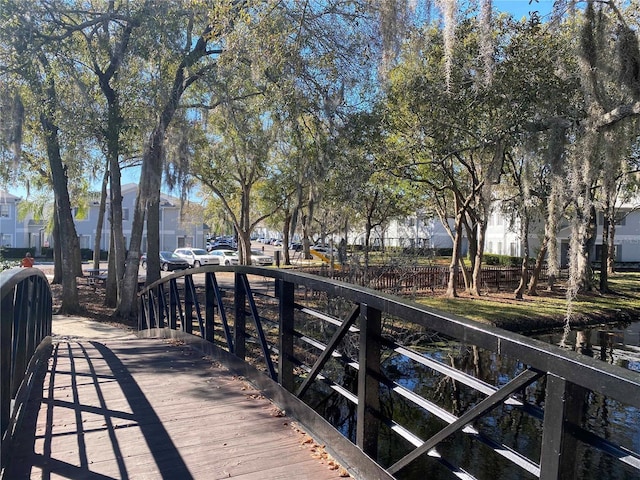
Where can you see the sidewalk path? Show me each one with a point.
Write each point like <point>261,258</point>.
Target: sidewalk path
<point>65,327</point>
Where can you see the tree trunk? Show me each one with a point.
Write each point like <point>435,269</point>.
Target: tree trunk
<point>524,267</point>
<point>611,254</point>
<point>585,270</point>
<point>153,232</point>
<point>604,253</point>
<point>472,237</point>
<point>115,124</point>
<point>285,237</point>
<point>57,251</point>
<point>533,281</point>
<point>69,252</point>
<point>100,222</point>
<point>466,273</point>
<point>151,167</point>
<point>150,181</point>
<point>118,250</point>
<point>111,288</point>
<point>452,290</point>
<point>477,264</point>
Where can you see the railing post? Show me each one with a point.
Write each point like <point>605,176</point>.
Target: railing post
<point>142,314</point>
<point>160,305</point>
<point>151,312</point>
<point>285,365</point>
<point>187,325</point>
<point>19,350</point>
<point>174,302</point>
<point>240,320</point>
<point>209,306</point>
<point>31,319</point>
<point>368,380</point>
<point>6,353</point>
<point>564,403</point>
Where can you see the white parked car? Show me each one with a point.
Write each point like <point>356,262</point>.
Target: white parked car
<point>197,256</point>
<point>225,257</point>
<point>259,258</point>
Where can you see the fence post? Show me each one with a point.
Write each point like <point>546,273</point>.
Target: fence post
<point>564,403</point>
<point>286,317</point>
<point>240,321</point>
<point>368,383</point>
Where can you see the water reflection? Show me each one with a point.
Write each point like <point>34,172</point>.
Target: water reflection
<point>617,344</point>
<point>518,428</point>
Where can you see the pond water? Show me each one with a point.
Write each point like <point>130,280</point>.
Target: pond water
<point>520,429</point>
<point>618,344</point>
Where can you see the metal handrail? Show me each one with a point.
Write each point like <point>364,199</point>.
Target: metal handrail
<point>25,331</point>
<point>569,376</point>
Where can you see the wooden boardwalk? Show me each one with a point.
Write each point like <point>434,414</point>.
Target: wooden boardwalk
<point>154,409</point>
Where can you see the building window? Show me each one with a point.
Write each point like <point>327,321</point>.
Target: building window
<point>616,253</point>
<point>185,242</point>
<point>6,239</point>
<point>84,241</point>
<point>5,212</point>
<point>620,218</point>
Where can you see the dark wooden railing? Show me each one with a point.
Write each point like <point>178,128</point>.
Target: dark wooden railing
<point>25,331</point>
<point>325,351</point>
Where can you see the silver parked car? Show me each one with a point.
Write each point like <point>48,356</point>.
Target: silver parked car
<point>226,257</point>
<point>196,256</point>
<point>259,258</point>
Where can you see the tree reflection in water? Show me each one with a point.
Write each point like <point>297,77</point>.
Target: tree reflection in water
<point>507,424</point>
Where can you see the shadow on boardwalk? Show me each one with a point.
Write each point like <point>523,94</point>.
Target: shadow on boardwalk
<point>133,408</point>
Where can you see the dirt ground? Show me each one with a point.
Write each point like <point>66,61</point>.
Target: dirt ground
<point>91,299</point>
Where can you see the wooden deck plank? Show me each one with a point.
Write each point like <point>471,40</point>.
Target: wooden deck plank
<point>154,409</point>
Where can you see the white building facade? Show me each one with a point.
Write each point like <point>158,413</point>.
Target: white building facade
<point>174,232</point>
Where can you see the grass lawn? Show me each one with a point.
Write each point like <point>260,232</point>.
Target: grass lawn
<point>548,310</point>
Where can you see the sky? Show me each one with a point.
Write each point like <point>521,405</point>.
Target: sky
<point>520,8</point>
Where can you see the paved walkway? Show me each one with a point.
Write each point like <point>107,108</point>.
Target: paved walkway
<point>113,406</point>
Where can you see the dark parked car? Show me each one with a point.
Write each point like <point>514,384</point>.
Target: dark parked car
<point>221,246</point>
<point>169,262</point>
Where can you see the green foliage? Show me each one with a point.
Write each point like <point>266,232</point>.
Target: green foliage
<point>16,253</point>
<point>502,260</point>
<point>7,263</point>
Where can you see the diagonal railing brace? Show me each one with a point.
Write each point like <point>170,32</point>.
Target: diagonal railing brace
<point>329,349</point>
<point>525,378</point>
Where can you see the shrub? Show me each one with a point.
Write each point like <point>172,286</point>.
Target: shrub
<point>503,260</point>
<point>15,253</point>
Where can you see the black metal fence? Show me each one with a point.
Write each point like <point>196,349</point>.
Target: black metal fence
<point>25,329</point>
<point>411,280</point>
<point>397,390</point>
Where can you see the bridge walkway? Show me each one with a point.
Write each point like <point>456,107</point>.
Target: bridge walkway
<point>112,406</point>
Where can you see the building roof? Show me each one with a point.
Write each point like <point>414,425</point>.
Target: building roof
<point>6,197</point>
<point>165,200</point>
